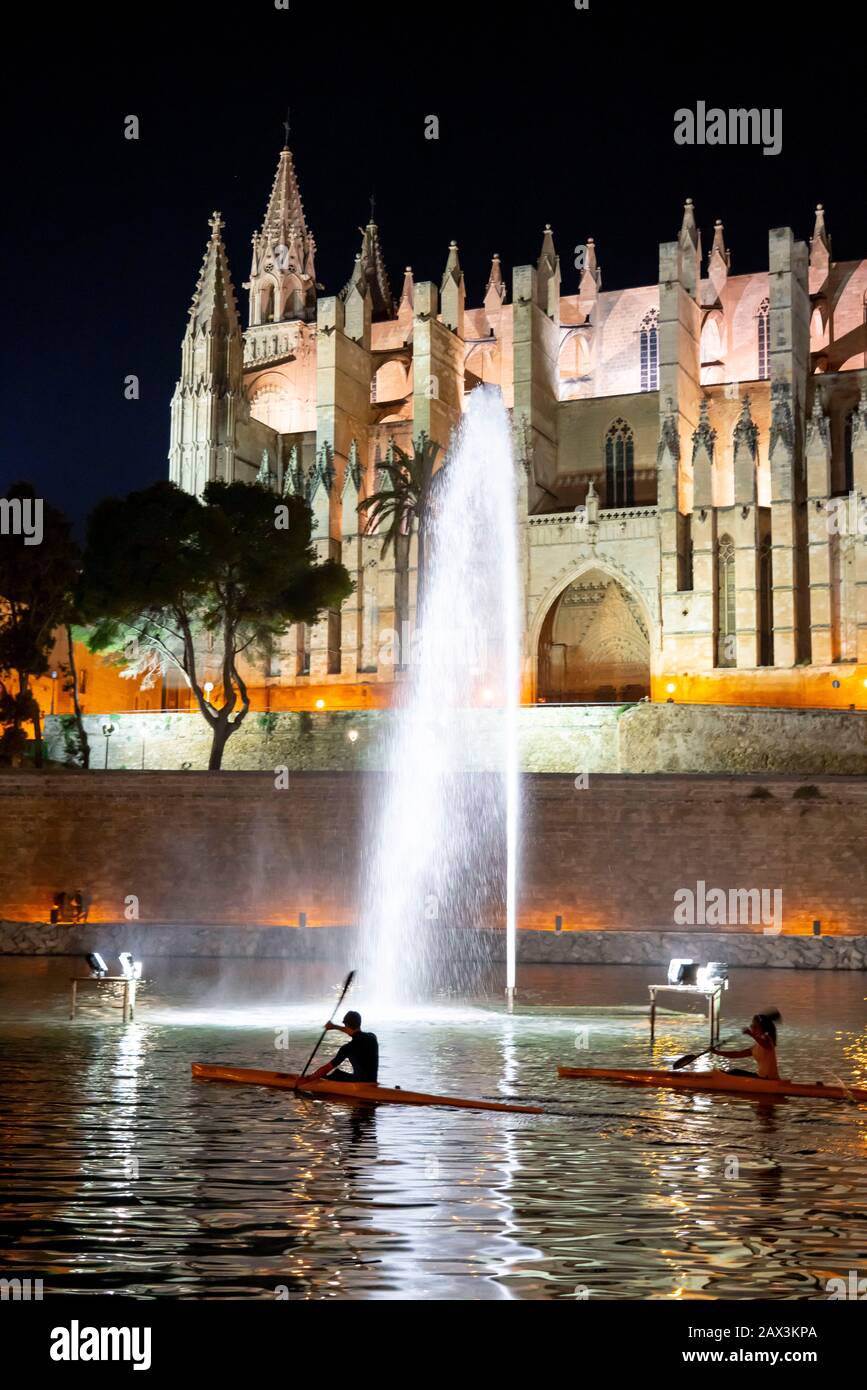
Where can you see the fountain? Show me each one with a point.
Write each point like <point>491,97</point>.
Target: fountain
<point>443,840</point>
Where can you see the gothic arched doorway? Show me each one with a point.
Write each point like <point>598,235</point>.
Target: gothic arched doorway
<point>594,647</point>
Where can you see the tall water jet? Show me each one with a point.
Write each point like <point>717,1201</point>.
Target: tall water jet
<point>443,834</point>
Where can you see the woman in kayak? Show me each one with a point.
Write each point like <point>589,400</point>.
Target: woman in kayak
<point>763,1032</point>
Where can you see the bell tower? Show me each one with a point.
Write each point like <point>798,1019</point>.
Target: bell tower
<point>282,280</point>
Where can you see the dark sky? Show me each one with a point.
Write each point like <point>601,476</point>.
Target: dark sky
<point>546,113</point>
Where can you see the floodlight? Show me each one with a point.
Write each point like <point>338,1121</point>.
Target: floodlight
<point>681,971</point>
<point>131,968</point>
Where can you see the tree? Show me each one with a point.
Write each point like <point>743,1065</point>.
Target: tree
<point>406,497</point>
<point>70,685</point>
<point>162,570</point>
<point>38,574</point>
<point>15,710</point>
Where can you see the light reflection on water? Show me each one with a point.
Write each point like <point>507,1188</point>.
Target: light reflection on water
<point>119,1173</point>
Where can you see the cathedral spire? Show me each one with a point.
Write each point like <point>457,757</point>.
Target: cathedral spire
<point>548,276</point>
<point>452,292</point>
<point>358,305</point>
<point>718,246</point>
<point>495,290</point>
<point>719,261</point>
<point>283,278</point>
<point>591,275</point>
<point>372,266</point>
<point>688,228</point>
<point>285,211</point>
<point>214,308</point>
<point>408,290</point>
<point>404,311</point>
<point>820,241</point>
<point>689,241</point>
<point>209,392</point>
<point>453,266</point>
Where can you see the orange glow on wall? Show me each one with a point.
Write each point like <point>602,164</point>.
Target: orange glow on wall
<point>799,687</point>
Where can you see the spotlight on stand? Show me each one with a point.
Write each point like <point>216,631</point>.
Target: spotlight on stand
<point>97,965</point>
<point>714,974</point>
<point>131,968</point>
<point>681,971</point>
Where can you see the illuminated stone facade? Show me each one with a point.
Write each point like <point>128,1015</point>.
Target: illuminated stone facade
<point>692,455</point>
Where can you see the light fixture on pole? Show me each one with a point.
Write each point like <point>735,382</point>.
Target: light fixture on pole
<point>107,730</point>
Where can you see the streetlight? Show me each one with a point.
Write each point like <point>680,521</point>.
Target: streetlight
<point>53,688</point>
<point>108,730</point>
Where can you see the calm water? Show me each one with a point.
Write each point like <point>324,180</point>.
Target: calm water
<point>121,1174</point>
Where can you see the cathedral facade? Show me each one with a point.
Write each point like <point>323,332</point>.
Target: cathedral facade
<point>691,455</point>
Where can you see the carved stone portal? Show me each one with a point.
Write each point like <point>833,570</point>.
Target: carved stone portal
<point>594,646</point>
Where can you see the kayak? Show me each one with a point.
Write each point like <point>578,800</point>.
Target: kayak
<point>349,1090</point>
<point>720,1081</point>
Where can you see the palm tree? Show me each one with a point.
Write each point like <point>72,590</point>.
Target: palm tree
<point>407,496</point>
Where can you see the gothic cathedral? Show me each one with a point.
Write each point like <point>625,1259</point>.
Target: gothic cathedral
<point>691,456</point>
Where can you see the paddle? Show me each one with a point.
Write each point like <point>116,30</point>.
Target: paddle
<point>691,1057</point>
<point>347,982</point>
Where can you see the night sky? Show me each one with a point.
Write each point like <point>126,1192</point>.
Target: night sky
<point>546,114</point>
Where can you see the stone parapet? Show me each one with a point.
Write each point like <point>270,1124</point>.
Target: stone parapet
<point>646,737</point>
<point>739,950</point>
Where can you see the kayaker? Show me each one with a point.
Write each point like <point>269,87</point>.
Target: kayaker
<point>362,1053</point>
<point>763,1032</point>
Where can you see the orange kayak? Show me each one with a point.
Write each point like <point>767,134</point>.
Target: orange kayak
<point>349,1090</point>
<point>717,1081</point>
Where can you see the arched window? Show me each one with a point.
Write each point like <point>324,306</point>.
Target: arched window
<point>764,330</point>
<point>649,335</point>
<point>726,615</point>
<point>293,300</point>
<point>619,466</point>
<point>302,649</point>
<point>274,405</point>
<point>766,604</point>
<point>267,303</point>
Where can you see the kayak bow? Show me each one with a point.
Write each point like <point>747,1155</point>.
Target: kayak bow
<point>718,1081</point>
<point>349,1090</point>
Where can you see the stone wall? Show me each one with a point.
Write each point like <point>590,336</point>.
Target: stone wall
<point>553,738</point>
<point>233,850</point>
<point>690,738</point>
<point>738,950</point>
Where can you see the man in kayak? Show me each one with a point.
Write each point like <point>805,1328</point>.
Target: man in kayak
<point>763,1031</point>
<point>362,1053</point>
